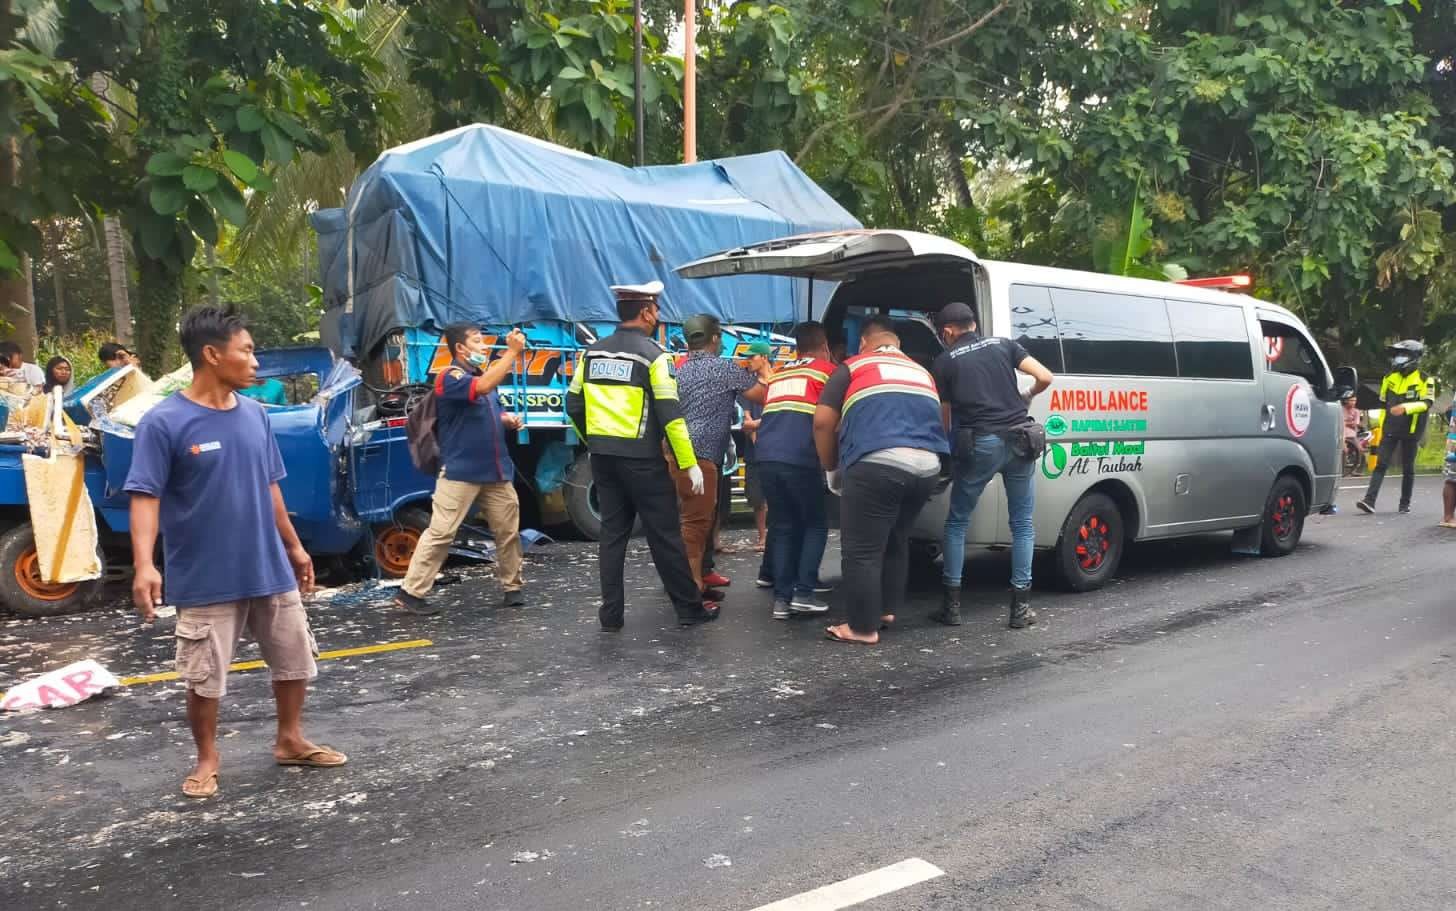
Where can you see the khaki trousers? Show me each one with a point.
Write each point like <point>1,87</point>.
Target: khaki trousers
<point>699,512</point>
<point>451,503</point>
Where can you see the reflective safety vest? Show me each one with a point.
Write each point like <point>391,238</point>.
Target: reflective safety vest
<point>786,433</point>
<point>891,402</point>
<point>1416,393</point>
<point>623,400</point>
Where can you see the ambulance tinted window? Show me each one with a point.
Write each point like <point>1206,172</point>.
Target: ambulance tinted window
<point>1212,341</point>
<point>1034,325</point>
<point>1107,334</point>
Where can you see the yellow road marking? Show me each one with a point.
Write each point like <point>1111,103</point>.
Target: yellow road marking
<point>323,656</point>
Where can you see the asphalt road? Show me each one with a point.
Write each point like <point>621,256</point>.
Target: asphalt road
<point>1208,732</point>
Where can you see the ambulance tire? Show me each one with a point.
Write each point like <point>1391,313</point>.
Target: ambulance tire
<point>22,589</point>
<point>1092,543</point>
<point>1284,514</point>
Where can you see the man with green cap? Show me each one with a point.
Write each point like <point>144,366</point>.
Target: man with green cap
<point>708,388</point>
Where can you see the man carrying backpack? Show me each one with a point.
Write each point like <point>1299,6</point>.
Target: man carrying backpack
<point>475,467</point>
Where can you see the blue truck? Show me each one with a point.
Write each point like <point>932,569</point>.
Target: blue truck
<point>486,226</point>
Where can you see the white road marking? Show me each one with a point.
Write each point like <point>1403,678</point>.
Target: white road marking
<point>857,889</point>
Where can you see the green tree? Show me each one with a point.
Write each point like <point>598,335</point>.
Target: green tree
<point>1292,138</point>
<point>221,92</point>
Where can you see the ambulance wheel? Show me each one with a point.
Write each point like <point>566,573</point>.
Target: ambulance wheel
<point>581,499</point>
<point>394,543</point>
<point>1091,544</point>
<point>1284,514</point>
<point>25,591</point>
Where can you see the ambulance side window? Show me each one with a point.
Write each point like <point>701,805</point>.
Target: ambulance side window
<point>1288,351</point>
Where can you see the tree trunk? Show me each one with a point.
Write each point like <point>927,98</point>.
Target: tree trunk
<point>212,295</point>
<point>56,240</point>
<point>58,281</point>
<point>955,149</point>
<point>116,265</point>
<point>17,299</point>
<point>115,251</point>
<point>159,293</point>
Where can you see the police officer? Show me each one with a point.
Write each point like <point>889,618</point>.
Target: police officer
<point>982,405</point>
<point>877,426</point>
<point>1407,397</point>
<point>623,402</point>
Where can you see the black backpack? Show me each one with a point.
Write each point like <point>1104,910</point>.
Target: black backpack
<point>419,429</point>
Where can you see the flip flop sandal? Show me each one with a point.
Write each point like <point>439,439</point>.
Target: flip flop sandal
<point>310,759</point>
<point>1447,524</point>
<point>204,787</point>
<point>832,636</point>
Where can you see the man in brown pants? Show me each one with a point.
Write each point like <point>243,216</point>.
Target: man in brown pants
<point>476,468</point>
<point>708,386</point>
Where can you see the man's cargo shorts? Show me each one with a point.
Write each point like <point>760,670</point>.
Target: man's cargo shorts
<point>207,637</point>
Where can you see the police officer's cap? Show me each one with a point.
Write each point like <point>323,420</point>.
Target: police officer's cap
<point>647,292</point>
<point>955,313</point>
<point>700,328</point>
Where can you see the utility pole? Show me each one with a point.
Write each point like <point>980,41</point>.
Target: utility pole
<point>690,82</point>
<point>637,79</point>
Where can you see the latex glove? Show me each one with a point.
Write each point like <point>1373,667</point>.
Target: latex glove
<point>832,479</point>
<point>695,474</point>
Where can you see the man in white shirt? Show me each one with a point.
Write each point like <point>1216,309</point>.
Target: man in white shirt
<point>12,358</point>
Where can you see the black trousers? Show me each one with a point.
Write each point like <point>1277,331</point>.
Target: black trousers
<point>1407,445</point>
<point>878,505</point>
<point>628,488</point>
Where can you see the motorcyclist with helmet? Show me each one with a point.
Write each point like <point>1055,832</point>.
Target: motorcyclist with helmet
<point>1407,396</point>
<point>1354,421</point>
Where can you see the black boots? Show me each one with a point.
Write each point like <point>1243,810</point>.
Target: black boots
<point>1022,615</point>
<point>950,607</point>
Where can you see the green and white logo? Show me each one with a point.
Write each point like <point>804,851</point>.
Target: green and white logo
<point>1056,425</point>
<point>1054,461</point>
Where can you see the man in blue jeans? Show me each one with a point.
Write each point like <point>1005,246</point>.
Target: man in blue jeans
<point>982,405</point>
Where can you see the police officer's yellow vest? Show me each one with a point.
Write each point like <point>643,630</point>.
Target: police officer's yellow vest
<point>1415,392</point>
<point>623,400</point>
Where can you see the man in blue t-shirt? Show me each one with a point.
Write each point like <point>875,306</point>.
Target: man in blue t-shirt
<point>205,473</point>
<point>475,467</point>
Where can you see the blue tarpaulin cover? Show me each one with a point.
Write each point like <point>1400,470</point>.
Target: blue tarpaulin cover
<point>481,224</point>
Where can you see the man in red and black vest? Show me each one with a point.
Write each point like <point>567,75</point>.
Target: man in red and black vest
<point>878,432</point>
<point>788,468</point>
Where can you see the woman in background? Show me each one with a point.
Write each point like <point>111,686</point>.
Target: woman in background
<point>58,373</point>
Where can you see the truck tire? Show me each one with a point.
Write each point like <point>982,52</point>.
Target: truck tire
<point>1284,514</point>
<point>394,542</point>
<point>1091,545</point>
<point>581,499</point>
<point>24,591</point>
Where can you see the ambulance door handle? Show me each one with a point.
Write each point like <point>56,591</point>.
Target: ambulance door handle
<point>1266,418</point>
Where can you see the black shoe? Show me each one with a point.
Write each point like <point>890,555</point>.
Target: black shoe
<point>414,605</point>
<point>712,594</point>
<point>761,582</point>
<point>950,607</point>
<point>822,588</point>
<point>1365,506</point>
<point>704,614</point>
<point>611,629</point>
<point>1405,509</point>
<point>516,598</point>
<point>1022,615</point>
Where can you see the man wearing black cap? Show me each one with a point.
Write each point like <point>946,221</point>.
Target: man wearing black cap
<point>623,403</point>
<point>709,386</point>
<point>981,404</point>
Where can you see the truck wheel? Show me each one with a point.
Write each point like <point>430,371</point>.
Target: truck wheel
<point>1284,514</point>
<point>23,589</point>
<point>1091,544</point>
<point>581,499</point>
<point>394,543</point>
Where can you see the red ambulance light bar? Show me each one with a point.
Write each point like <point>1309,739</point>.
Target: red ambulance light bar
<point>1228,282</point>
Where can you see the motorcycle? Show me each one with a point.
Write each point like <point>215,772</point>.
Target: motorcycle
<point>1355,453</point>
